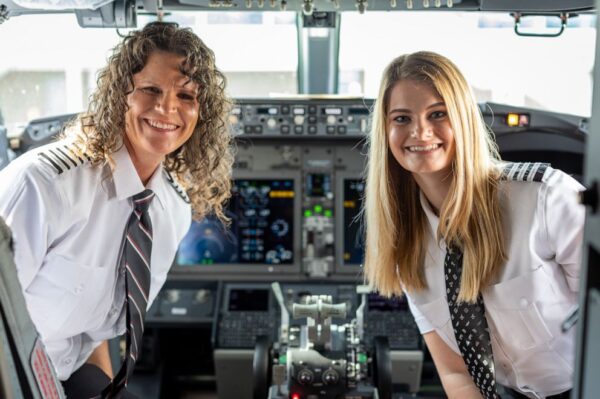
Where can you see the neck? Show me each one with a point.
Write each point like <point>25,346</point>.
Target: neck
<point>145,168</point>
<point>435,187</point>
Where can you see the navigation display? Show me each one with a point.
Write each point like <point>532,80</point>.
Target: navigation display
<point>379,303</point>
<point>353,251</point>
<point>261,230</point>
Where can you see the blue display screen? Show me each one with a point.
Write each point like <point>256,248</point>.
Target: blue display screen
<point>261,229</point>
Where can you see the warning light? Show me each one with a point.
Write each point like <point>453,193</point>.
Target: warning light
<point>512,120</point>
<point>517,120</point>
<point>295,396</point>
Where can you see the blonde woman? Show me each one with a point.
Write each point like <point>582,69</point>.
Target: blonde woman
<point>97,216</point>
<point>487,252</point>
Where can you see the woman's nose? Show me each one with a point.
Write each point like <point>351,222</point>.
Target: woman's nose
<point>422,130</point>
<point>168,102</point>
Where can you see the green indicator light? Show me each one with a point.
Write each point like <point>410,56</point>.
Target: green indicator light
<point>318,209</point>
<point>362,358</point>
<point>328,213</point>
<point>282,359</point>
<point>307,213</point>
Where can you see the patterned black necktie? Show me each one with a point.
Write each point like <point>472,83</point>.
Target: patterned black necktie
<point>136,260</point>
<point>470,328</point>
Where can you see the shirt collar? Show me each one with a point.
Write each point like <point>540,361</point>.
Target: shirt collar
<point>432,218</point>
<point>127,182</point>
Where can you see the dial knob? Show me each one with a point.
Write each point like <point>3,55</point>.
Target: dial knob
<point>172,295</point>
<point>305,376</point>
<point>202,296</point>
<point>330,377</point>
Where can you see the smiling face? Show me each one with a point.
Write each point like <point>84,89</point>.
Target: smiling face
<point>163,111</point>
<point>419,131</point>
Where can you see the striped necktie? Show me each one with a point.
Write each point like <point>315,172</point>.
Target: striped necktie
<point>136,261</point>
<point>470,328</point>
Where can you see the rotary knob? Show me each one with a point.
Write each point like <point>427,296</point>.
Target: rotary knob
<point>330,377</point>
<point>202,296</point>
<point>305,377</point>
<point>172,296</point>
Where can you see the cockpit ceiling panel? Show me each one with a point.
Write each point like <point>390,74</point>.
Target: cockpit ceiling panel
<point>12,7</point>
<point>392,5</point>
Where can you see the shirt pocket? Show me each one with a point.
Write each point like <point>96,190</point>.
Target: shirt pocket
<point>438,314</point>
<point>513,307</point>
<point>57,291</point>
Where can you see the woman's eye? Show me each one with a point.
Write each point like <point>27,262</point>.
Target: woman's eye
<point>402,119</point>
<point>438,114</point>
<point>150,90</point>
<point>187,96</point>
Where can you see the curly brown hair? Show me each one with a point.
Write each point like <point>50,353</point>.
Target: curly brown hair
<point>202,165</point>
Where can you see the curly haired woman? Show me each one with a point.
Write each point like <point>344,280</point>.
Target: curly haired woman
<point>97,216</point>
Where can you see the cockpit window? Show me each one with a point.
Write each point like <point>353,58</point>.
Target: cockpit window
<point>549,73</point>
<point>50,63</point>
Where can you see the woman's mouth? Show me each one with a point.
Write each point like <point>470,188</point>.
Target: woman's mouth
<point>424,148</point>
<point>161,125</point>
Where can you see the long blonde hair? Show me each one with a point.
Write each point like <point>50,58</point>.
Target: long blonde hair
<point>470,216</point>
<point>203,164</point>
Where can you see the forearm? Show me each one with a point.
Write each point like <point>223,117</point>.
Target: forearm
<point>100,358</point>
<point>460,386</point>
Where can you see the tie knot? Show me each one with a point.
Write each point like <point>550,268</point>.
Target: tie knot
<point>141,201</point>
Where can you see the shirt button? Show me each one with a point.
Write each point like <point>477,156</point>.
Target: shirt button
<point>122,271</point>
<point>524,302</point>
<point>78,289</point>
<point>68,360</point>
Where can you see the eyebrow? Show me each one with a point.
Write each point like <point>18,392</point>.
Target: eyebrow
<point>408,111</point>
<point>187,82</point>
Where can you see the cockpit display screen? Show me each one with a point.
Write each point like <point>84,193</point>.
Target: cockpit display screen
<point>352,230</point>
<point>248,300</point>
<point>261,229</point>
<point>379,303</point>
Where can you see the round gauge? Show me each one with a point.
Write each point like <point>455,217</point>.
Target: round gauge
<point>280,227</point>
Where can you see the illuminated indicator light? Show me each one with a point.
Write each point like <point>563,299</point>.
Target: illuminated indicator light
<point>349,204</point>
<point>512,120</point>
<point>523,120</point>
<point>282,359</point>
<point>346,256</point>
<point>281,194</point>
<point>328,213</point>
<point>318,209</point>
<point>362,358</point>
<point>307,213</point>
<point>295,396</point>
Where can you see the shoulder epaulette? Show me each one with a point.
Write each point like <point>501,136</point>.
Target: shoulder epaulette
<point>524,171</point>
<point>62,157</point>
<point>177,187</point>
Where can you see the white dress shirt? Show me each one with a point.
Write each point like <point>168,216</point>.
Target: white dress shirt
<point>68,229</point>
<point>534,292</point>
